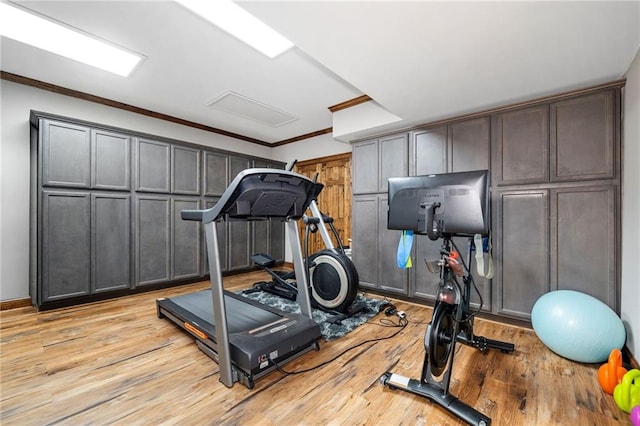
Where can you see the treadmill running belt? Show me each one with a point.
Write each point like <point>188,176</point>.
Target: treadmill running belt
<point>242,316</point>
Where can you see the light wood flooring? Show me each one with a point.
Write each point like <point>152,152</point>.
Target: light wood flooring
<point>116,362</point>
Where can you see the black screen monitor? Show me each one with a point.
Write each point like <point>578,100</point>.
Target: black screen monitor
<point>457,203</point>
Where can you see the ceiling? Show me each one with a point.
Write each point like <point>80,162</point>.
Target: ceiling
<point>421,61</point>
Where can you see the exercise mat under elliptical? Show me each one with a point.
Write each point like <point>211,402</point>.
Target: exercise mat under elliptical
<point>330,329</point>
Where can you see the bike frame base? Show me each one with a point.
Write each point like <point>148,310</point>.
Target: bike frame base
<point>436,394</point>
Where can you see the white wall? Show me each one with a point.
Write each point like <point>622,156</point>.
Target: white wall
<point>16,103</point>
<point>320,146</point>
<point>630,309</point>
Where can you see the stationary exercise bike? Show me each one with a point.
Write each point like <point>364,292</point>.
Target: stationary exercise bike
<point>331,273</point>
<point>452,319</point>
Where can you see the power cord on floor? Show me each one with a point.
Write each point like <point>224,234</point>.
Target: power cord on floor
<point>401,324</point>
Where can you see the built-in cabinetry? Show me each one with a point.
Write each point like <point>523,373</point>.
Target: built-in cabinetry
<point>106,209</point>
<point>556,188</point>
<point>555,196</point>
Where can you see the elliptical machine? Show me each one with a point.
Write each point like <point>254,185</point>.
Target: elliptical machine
<point>332,276</point>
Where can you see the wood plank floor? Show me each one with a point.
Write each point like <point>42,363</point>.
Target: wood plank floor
<point>116,362</point>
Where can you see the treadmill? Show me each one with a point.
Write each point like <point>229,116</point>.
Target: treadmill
<point>247,339</point>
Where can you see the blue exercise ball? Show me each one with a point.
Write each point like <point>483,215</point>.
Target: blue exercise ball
<point>577,326</point>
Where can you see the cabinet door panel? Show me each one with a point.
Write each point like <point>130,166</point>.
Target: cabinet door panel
<point>65,154</point>
<point>583,137</point>
<point>216,173</point>
<point>185,259</point>
<point>239,237</point>
<point>185,170</point>
<point>424,283</point>
<point>390,277</point>
<point>153,163</point>
<point>364,247</point>
<point>430,151</point>
<point>584,251</point>
<point>260,237</point>
<point>469,145</point>
<point>111,242</point>
<point>110,160</point>
<point>239,247</point>
<point>394,159</point>
<point>152,239</point>
<point>236,165</point>
<point>276,237</point>
<point>521,252</point>
<point>261,164</point>
<point>521,139</point>
<point>65,245</point>
<point>365,167</point>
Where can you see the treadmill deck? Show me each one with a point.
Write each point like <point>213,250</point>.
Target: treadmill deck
<point>258,334</point>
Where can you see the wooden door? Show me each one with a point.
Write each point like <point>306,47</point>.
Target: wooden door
<point>334,200</point>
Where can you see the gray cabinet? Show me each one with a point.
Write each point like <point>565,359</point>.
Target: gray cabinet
<point>65,150</point>
<point>365,167</point>
<point>393,157</point>
<point>239,245</point>
<point>216,171</point>
<point>364,247</point>
<point>276,240</point>
<point>107,208</point>
<point>555,200</point>
<point>153,163</point>
<point>554,239</point>
<point>391,278</point>
<point>424,284</point>
<point>377,160</point>
<point>373,249</point>
<point>261,236</point>
<point>583,137</point>
<point>153,239</point>
<point>185,170</point>
<point>469,145</point>
<point>65,245</point>
<point>429,151</point>
<point>521,146</point>
<point>186,246</point>
<point>111,260</point>
<point>374,246</point>
<point>583,246</point>
<point>110,160</point>
<point>521,251</point>
<point>239,232</point>
<point>461,146</point>
<point>457,147</point>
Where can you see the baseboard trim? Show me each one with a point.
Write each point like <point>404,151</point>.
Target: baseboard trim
<point>628,355</point>
<point>14,303</point>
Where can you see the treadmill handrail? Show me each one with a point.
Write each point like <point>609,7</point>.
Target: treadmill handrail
<point>280,180</point>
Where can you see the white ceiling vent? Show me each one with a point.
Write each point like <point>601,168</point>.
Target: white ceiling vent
<point>242,106</point>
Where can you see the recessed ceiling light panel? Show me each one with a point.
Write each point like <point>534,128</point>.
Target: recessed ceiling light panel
<point>26,27</point>
<point>245,107</point>
<point>233,19</point>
